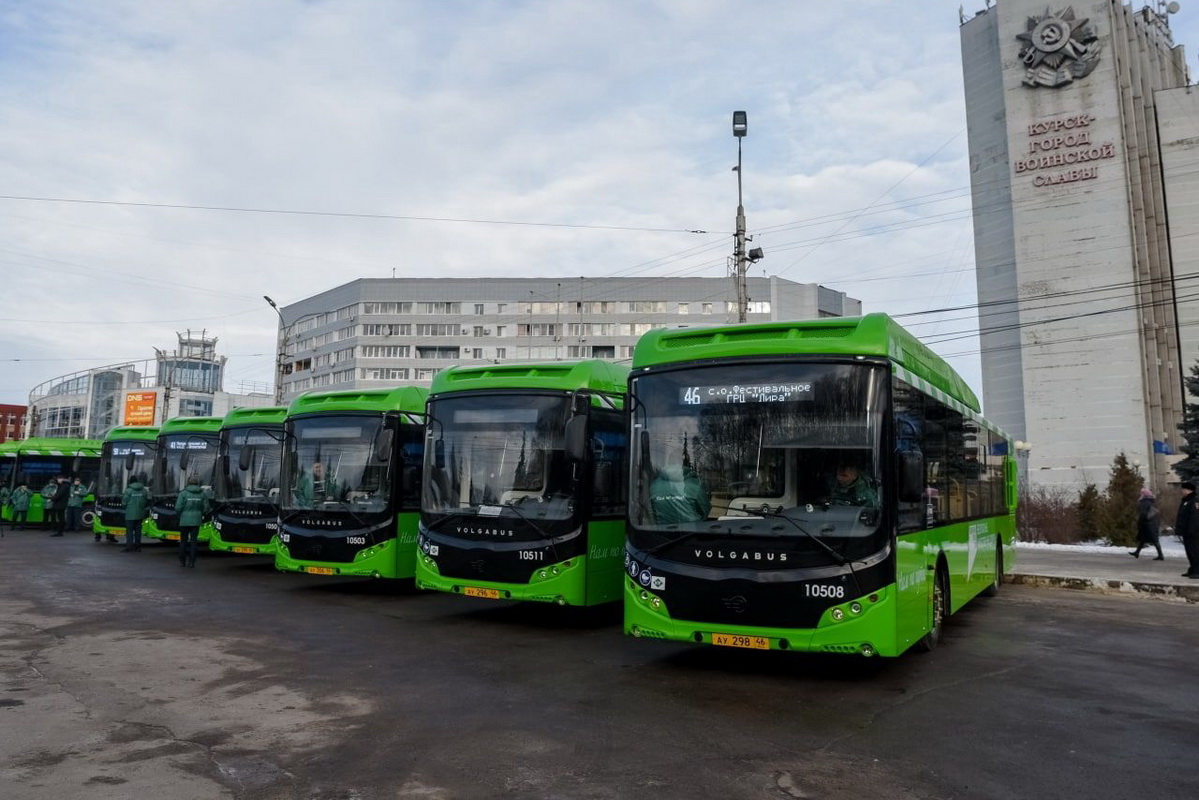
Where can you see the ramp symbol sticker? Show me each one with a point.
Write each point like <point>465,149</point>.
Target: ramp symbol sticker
<point>657,583</point>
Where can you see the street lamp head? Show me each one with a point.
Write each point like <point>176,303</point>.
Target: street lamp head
<point>756,255</point>
<point>740,124</point>
<point>271,302</point>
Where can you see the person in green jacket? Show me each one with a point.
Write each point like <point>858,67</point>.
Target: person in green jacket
<point>192,505</point>
<point>48,502</point>
<point>5,494</point>
<point>136,501</point>
<point>20,505</point>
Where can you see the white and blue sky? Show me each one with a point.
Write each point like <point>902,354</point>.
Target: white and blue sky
<point>611,116</point>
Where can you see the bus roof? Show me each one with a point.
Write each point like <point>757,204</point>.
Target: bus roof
<point>869,335</point>
<point>136,433</point>
<point>264,415</point>
<point>401,398</point>
<point>568,376</point>
<point>55,447</point>
<point>190,425</point>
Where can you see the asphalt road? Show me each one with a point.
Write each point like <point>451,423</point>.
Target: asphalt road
<point>124,676</point>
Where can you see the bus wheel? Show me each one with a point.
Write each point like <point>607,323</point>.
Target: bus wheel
<point>88,517</point>
<point>940,610</point>
<point>993,589</point>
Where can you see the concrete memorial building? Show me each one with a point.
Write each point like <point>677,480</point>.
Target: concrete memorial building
<point>1084,143</point>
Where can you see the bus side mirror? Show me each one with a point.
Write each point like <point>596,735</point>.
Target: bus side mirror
<point>911,476</point>
<point>184,460</point>
<point>575,438</point>
<point>76,464</point>
<point>439,454</point>
<point>245,459</point>
<point>130,460</point>
<point>382,444</point>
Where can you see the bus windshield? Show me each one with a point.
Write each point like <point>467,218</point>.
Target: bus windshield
<point>259,482</point>
<point>486,453</point>
<point>336,464</point>
<point>122,463</point>
<point>35,471</point>
<point>201,459</point>
<point>782,449</point>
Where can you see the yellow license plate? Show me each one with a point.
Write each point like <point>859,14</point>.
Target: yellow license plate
<point>473,591</point>
<point>319,570</point>
<point>735,640</point>
<point>243,549</point>
<point>172,537</point>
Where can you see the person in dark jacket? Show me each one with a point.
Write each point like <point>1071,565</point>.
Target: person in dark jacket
<point>1148,524</point>
<point>57,515</point>
<point>136,501</point>
<point>192,505</point>
<point>1187,526</point>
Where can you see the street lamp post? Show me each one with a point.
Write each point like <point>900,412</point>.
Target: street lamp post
<point>1023,449</point>
<point>740,260</point>
<point>281,354</point>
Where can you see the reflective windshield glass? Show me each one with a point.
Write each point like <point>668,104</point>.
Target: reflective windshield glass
<point>201,450</point>
<point>6,470</point>
<point>336,464</point>
<point>250,474</point>
<point>767,449</point>
<point>121,463</point>
<point>486,453</point>
<point>38,471</point>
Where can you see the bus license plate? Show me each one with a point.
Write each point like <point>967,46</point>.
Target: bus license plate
<point>243,549</point>
<point>732,640</point>
<point>172,537</point>
<point>319,570</point>
<point>490,594</point>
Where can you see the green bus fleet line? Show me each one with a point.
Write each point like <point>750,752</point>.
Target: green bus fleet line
<point>126,455</point>
<point>524,482</point>
<point>246,514</point>
<point>38,461</point>
<point>350,492</point>
<point>742,534</point>
<point>187,448</point>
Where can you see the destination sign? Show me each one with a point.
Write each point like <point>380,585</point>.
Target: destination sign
<point>126,449</point>
<point>793,392</point>
<point>190,444</point>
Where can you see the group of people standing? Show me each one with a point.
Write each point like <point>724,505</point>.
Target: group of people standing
<point>63,511</point>
<point>1186,525</point>
<point>62,501</point>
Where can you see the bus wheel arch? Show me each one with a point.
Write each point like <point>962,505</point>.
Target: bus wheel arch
<point>88,517</point>
<point>993,588</point>
<point>940,606</point>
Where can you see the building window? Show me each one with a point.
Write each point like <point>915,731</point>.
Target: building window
<point>538,329</point>
<point>501,352</point>
<point>383,351</point>
<point>647,306</point>
<point>476,352</point>
<point>479,330</point>
<point>438,329</point>
<point>604,307</point>
<point>302,364</point>
<point>578,351</point>
<point>684,308</point>
<point>479,309</point>
<point>194,407</point>
<point>426,373</point>
<point>387,329</point>
<point>501,330</point>
<point>603,351</point>
<point>344,376</point>
<point>707,308</point>
<point>437,352</point>
<point>439,308</point>
<point>343,355</point>
<point>384,374</point>
<point>387,308</point>
<point>501,308</point>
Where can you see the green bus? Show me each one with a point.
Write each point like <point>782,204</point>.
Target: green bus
<point>821,486</point>
<point>525,482</point>
<point>126,455</point>
<point>246,516</point>
<point>187,448</point>
<point>351,483</point>
<point>37,462</point>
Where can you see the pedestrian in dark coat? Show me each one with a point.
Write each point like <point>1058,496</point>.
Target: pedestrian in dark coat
<point>193,505</point>
<point>1187,526</point>
<point>1148,524</point>
<point>58,506</point>
<point>136,501</point>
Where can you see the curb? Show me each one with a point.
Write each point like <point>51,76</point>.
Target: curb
<point>1165,591</point>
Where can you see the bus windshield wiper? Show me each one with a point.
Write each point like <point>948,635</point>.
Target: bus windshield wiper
<point>541,534</point>
<point>840,559</point>
<point>676,540</point>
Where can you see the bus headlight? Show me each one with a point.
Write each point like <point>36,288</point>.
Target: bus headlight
<point>855,608</point>
<point>837,615</point>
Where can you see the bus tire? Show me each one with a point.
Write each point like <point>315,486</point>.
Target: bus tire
<point>931,639</point>
<point>88,518</point>
<point>993,588</point>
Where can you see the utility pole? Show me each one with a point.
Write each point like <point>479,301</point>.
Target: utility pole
<point>740,263</point>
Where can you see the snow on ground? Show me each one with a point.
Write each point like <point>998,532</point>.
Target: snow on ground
<point>1170,545</point>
